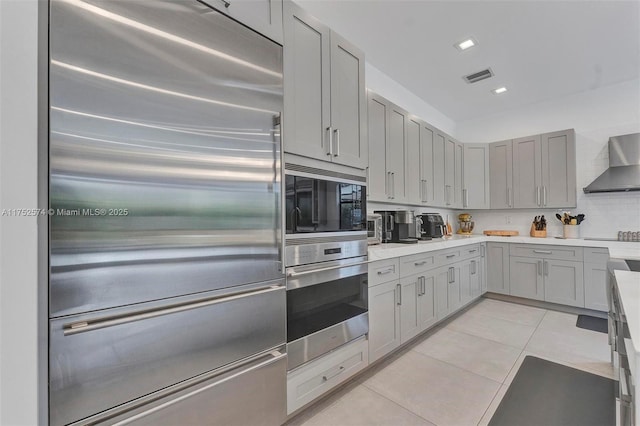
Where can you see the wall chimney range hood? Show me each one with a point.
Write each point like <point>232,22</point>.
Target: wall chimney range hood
<point>623,174</point>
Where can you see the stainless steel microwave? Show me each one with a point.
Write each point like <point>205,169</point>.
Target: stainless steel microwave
<point>319,204</point>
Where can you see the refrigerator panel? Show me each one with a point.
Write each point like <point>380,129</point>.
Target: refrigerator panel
<point>164,153</point>
<point>101,360</point>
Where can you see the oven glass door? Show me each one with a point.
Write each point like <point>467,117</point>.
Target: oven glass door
<point>318,205</point>
<point>316,307</point>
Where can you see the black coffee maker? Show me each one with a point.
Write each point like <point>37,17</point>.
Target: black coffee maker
<point>398,226</point>
<point>432,226</point>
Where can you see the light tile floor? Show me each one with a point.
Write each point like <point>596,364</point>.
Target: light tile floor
<point>458,372</point>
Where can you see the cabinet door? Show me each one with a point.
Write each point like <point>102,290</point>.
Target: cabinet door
<point>475,188</point>
<point>458,177</point>
<point>379,180</point>
<point>465,282</point>
<point>427,301</point>
<point>409,322</point>
<point>454,294</point>
<point>564,282</point>
<point>442,278</point>
<point>475,280</point>
<point>438,170</point>
<point>527,172</point>
<point>501,174</point>
<point>415,186</point>
<point>558,169</point>
<point>426,164</point>
<point>449,172</point>
<point>595,286</point>
<point>264,16</point>
<point>395,152</point>
<point>348,104</point>
<point>482,267</point>
<point>498,267</point>
<point>307,73</point>
<point>526,279</point>
<point>384,319</point>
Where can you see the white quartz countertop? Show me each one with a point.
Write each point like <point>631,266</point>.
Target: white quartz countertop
<point>628,283</point>
<point>617,249</point>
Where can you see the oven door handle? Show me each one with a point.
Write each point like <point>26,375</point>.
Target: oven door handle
<point>292,274</point>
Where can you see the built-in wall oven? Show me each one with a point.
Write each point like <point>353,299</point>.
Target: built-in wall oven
<point>326,259</point>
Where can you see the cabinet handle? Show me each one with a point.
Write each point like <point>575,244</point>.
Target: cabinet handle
<point>473,269</point>
<point>423,286</point>
<point>388,185</point>
<point>399,289</point>
<point>340,370</point>
<point>543,251</point>
<point>448,194</point>
<point>337,138</point>
<point>226,3</point>
<point>537,195</point>
<point>544,195</point>
<point>546,268</point>
<point>482,251</point>
<point>539,267</point>
<point>449,256</point>
<point>465,198</point>
<point>419,263</point>
<point>330,131</point>
<point>509,197</point>
<point>386,271</point>
<point>452,275</point>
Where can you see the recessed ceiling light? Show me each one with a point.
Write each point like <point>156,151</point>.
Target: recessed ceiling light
<point>499,90</point>
<point>466,44</point>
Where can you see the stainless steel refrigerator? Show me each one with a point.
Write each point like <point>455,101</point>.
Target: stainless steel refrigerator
<point>166,295</point>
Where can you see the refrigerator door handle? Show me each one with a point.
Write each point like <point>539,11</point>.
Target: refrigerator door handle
<point>98,323</point>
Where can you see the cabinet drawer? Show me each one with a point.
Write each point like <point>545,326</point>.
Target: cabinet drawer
<point>383,271</point>
<point>317,377</point>
<point>444,257</point>
<point>416,263</point>
<point>468,252</point>
<point>546,251</point>
<point>596,255</point>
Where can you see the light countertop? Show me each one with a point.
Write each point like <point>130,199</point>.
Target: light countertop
<point>628,283</point>
<point>617,249</point>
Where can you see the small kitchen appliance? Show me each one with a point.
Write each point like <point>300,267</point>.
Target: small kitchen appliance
<point>465,224</point>
<point>398,226</point>
<point>432,226</point>
<point>374,229</point>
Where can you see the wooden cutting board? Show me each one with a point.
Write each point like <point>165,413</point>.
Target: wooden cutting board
<point>500,233</point>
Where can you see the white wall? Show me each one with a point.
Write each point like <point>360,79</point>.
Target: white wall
<point>18,235</point>
<point>595,116</point>
<point>383,85</point>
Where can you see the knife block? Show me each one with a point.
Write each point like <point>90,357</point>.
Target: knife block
<point>537,234</point>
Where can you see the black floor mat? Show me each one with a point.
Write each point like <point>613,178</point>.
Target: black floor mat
<point>550,394</point>
<point>592,323</point>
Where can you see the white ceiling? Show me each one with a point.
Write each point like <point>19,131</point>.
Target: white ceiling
<point>539,50</point>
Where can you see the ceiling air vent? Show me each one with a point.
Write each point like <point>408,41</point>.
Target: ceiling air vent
<point>477,76</point>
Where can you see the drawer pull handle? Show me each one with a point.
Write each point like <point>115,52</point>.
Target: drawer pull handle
<point>420,263</point>
<point>386,271</point>
<point>340,370</point>
<point>543,251</point>
<point>450,256</point>
<point>473,251</point>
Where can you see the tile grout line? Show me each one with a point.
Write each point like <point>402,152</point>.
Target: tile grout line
<point>398,404</point>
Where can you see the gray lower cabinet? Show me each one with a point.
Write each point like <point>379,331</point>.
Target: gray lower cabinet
<point>498,268</point>
<point>325,98</point>
<point>563,282</point>
<point>526,277</point>
<point>384,319</point>
<point>427,301</point>
<point>408,301</point>
<point>595,279</point>
<point>475,278</point>
<point>475,188</point>
<point>448,299</point>
<point>465,282</point>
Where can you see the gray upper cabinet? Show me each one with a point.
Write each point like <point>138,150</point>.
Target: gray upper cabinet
<point>527,171</point>
<point>475,188</point>
<point>378,135</point>
<point>438,170</point>
<point>415,182</point>
<point>558,169</point>
<point>324,94</point>
<point>264,16</point>
<point>449,172</point>
<point>501,174</point>
<point>426,165</point>
<point>458,174</point>
<point>387,139</point>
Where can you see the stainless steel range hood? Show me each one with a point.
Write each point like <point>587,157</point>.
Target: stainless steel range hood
<point>623,174</point>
